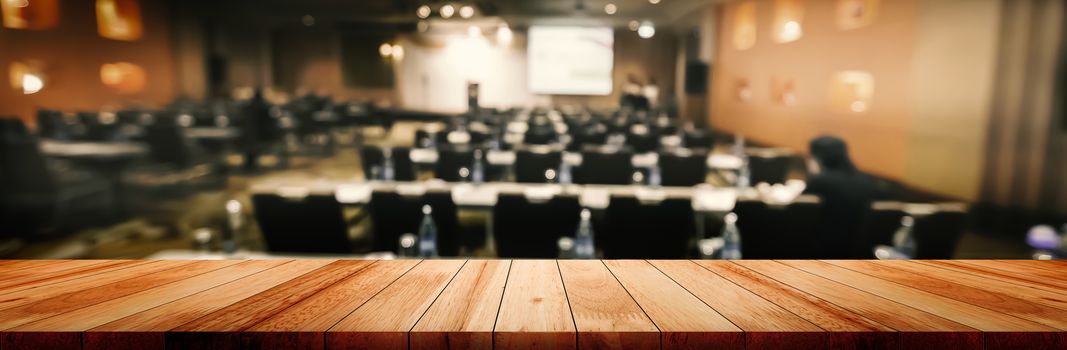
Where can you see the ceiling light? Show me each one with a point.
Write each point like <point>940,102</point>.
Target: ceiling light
<point>653,2</point>
<point>466,11</point>
<point>398,52</point>
<point>634,25</point>
<point>31,84</point>
<point>447,11</point>
<point>610,9</point>
<point>423,11</point>
<point>504,35</point>
<point>385,50</point>
<point>646,30</point>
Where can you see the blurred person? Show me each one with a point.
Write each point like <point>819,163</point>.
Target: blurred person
<point>846,194</point>
<point>651,92</point>
<point>632,97</point>
<point>256,128</point>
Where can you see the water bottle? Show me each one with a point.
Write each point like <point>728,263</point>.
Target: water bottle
<point>427,234</point>
<point>566,247</point>
<point>477,171</point>
<point>583,245</point>
<point>388,169</point>
<point>739,146</point>
<point>407,245</point>
<point>565,173</point>
<point>744,174</point>
<point>654,176</point>
<point>904,238</point>
<point>731,237</point>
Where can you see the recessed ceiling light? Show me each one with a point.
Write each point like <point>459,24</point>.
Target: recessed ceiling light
<point>653,2</point>
<point>447,11</point>
<point>423,11</point>
<point>610,9</point>
<point>634,25</point>
<point>466,11</point>
<point>646,30</point>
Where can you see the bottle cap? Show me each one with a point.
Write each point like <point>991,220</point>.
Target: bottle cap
<point>585,214</point>
<point>426,210</point>
<point>730,218</point>
<point>907,221</point>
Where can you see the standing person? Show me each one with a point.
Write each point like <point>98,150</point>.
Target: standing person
<point>255,128</point>
<point>651,92</point>
<point>846,194</point>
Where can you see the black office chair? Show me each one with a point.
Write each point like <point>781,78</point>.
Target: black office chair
<point>531,229</point>
<point>778,231</point>
<point>532,164</point>
<point>699,139</point>
<point>50,124</point>
<point>641,139</point>
<point>937,235</point>
<point>373,156</point>
<point>769,167</point>
<point>168,145</point>
<point>879,224</point>
<point>587,135</point>
<point>450,162</point>
<point>683,168</point>
<point>393,214</point>
<point>312,224</point>
<point>606,167</point>
<point>636,230</point>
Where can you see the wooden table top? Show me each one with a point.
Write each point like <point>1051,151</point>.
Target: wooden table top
<point>432,304</point>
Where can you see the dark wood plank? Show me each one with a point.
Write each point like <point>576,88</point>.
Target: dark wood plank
<point>999,328</point>
<point>303,325</point>
<point>145,330</point>
<point>464,314</point>
<point>847,329</point>
<point>605,315</point>
<point>766,325</point>
<point>917,328</point>
<point>921,277</point>
<point>384,321</point>
<point>683,320</point>
<point>534,312</point>
<point>222,328</point>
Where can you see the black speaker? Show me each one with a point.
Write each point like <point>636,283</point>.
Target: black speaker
<point>696,77</point>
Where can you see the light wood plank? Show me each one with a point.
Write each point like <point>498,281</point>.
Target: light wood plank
<point>1001,330</point>
<point>145,330</point>
<point>917,328</point>
<point>303,325</point>
<point>605,315</point>
<point>766,325</point>
<point>33,273</point>
<point>1014,273</point>
<point>37,293</point>
<point>11,284</point>
<point>847,329</point>
<point>12,265</point>
<point>222,328</point>
<point>385,320</point>
<point>464,314</point>
<point>68,302</point>
<point>683,320</point>
<point>1056,298</point>
<point>534,312</point>
<point>983,296</point>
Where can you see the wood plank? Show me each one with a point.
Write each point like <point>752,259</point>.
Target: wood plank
<point>534,312</point>
<point>37,293</point>
<point>222,328</point>
<point>20,276</point>
<point>847,329</point>
<point>68,302</point>
<point>766,325</point>
<point>12,265</point>
<point>464,314</point>
<point>1030,276</point>
<point>1055,298</point>
<point>303,325</point>
<point>998,326</point>
<point>983,296</point>
<point>145,330</point>
<point>917,328</point>
<point>384,321</point>
<point>683,320</point>
<point>11,284</point>
<point>605,315</point>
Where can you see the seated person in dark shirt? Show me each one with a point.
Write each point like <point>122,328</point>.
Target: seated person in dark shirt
<point>846,195</point>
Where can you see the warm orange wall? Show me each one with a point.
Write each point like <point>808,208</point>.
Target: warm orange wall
<point>878,137</point>
<point>73,53</point>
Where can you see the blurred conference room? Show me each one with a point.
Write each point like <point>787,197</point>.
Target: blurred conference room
<point>548,129</point>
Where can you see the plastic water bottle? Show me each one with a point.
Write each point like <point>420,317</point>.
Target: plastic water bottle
<point>583,245</point>
<point>565,173</point>
<point>904,238</point>
<point>477,171</point>
<point>566,247</point>
<point>388,169</point>
<point>654,176</point>
<point>427,234</point>
<point>744,174</point>
<point>739,146</point>
<point>731,237</point>
<point>406,249</point>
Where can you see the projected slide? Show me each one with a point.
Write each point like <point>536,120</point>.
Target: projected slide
<point>570,60</point>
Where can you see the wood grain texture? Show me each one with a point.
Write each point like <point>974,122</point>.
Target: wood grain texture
<point>384,321</point>
<point>917,328</point>
<point>766,325</point>
<point>534,312</point>
<point>145,330</point>
<point>38,293</point>
<point>62,273</point>
<point>11,265</point>
<point>304,324</point>
<point>605,315</point>
<point>683,319</point>
<point>464,314</point>
<point>1021,275</point>
<point>222,328</point>
<point>846,329</point>
<point>920,277</point>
